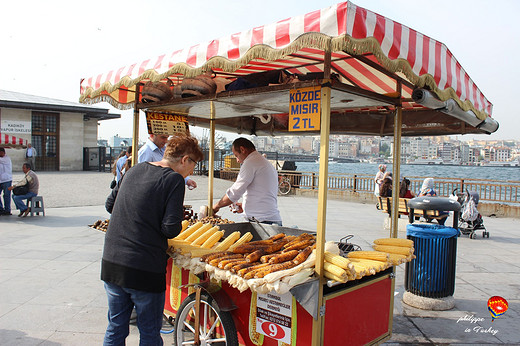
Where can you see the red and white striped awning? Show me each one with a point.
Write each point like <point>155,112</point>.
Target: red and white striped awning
<point>368,51</point>
<point>10,141</point>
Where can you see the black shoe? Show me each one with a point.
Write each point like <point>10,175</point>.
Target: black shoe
<point>7,213</point>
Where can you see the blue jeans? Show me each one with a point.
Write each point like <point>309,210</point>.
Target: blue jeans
<point>18,200</point>
<point>7,196</point>
<point>149,307</point>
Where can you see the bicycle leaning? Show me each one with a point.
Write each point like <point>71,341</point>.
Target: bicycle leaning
<point>284,185</point>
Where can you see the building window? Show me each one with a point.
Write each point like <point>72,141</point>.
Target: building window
<point>45,138</point>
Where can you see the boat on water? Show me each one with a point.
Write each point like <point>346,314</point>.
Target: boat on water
<point>514,163</point>
<point>437,161</point>
<point>331,160</point>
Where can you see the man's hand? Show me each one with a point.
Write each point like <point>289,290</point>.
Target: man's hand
<point>236,208</point>
<point>191,184</point>
<point>224,201</point>
<point>10,188</point>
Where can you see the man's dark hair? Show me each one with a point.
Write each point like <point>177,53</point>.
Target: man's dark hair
<point>2,150</point>
<point>129,150</point>
<point>243,142</point>
<point>27,165</point>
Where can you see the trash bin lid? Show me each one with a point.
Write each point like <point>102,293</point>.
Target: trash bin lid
<point>428,231</point>
<point>434,203</point>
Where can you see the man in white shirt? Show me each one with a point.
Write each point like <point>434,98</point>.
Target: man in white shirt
<point>153,151</point>
<point>257,183</point>
<point>6,179</point>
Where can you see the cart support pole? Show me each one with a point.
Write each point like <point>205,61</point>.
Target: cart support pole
<point>318,324</point>
<point>398,120</point>
<point>196,340</point>
<point>135,135</point>
<point>211,157</point>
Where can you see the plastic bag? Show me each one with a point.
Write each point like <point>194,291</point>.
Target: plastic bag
<point>470,212</point>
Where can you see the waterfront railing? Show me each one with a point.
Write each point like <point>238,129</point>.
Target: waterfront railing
<point>494,191</point>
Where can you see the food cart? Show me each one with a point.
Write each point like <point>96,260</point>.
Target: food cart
<point>340,70</point>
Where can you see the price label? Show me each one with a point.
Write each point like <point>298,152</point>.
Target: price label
<point>305,109</point>
<point>166,124</point>
<point>274,316</point>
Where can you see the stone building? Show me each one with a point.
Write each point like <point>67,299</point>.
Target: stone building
<point>58,130</point>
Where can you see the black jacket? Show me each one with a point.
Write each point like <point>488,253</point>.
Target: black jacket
<point>147,209</point>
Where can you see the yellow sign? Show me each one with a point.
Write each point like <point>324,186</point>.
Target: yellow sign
<point>166,124</point>
<point>305,108</point>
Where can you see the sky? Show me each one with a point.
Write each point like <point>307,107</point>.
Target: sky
<point>48,46</point>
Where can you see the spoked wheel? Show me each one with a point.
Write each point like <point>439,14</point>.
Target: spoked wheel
<point>216,327</point>
<point>284,187</point>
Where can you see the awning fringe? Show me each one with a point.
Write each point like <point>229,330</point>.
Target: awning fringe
<point>308,40</point>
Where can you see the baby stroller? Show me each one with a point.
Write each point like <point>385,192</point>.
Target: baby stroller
<point>470,219</point>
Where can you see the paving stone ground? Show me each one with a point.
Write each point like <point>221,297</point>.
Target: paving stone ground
<point>50,292</point>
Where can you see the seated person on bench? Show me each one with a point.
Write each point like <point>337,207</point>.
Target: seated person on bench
<point>428,189</point>
<point>31,178</point>
<point>404,189</point>
<point>386,187</point>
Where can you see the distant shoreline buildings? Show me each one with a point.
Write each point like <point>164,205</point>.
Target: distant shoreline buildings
<point>419,150</point>
<point>414,150</point>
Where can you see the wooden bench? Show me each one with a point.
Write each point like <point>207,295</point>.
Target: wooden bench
<point>385,204</point>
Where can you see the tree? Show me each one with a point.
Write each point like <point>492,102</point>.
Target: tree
<point>384,150</point>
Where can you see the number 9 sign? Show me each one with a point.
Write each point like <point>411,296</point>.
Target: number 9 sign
<point>273,330</point>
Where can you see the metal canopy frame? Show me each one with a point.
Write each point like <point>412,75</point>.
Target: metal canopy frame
<point>244,109</point>
<point>265,111</point>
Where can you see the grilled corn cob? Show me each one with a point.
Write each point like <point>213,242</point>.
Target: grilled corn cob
<point>338,260</point>
<point>334,269</point>
<point>205,236</point>
<point>402,250</point>
<point>373,255</point>
<point>396,259</point>
<point>331,276</point>
<point>226,243</point>
<point>184,224</point>
<point>189,231</point>
<point>394,242</point>
<point>243,239</point>
<point>212,240</point>
<point>202,229</point>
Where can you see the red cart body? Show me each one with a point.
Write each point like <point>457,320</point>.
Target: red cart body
<point>358,313</point>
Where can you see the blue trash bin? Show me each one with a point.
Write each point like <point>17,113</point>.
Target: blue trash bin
<point>432,273</point>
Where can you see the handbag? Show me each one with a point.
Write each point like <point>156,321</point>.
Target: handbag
<point>21,190</point>
<point>113,183</point>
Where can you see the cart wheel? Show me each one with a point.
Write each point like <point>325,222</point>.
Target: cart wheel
<point>284,187</point>
<point>472,235</point>
<point>216,326</point>
<point>485,234</point>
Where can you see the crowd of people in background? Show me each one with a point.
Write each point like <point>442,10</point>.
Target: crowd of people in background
<point>383,188</point>
<point>28,185</point>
